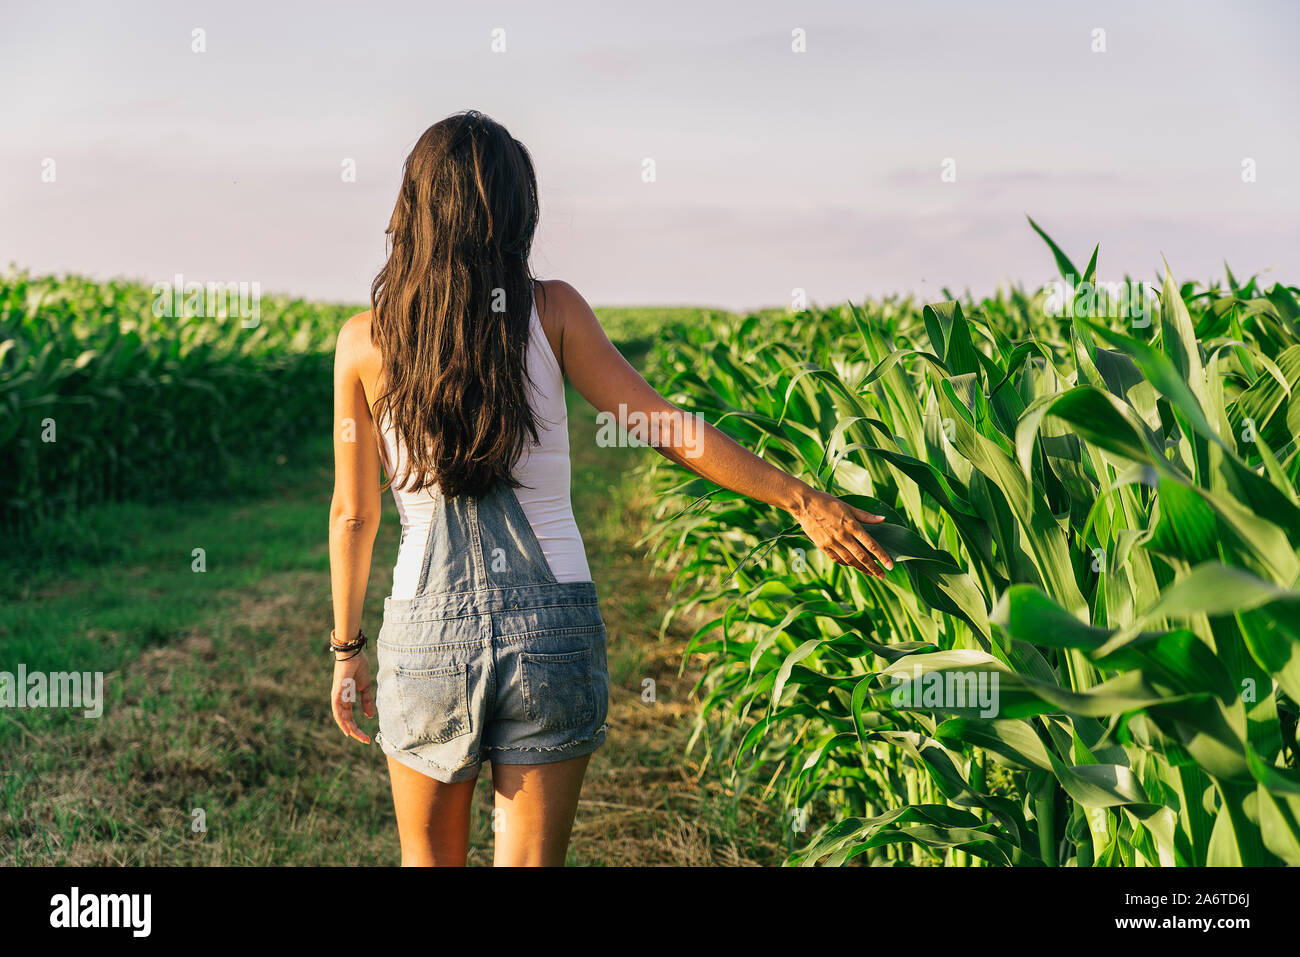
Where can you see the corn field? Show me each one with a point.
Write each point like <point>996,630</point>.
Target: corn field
<point>1095,517</point>
<point>103,399</point>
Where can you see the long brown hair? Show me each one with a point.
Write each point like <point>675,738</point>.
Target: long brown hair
<point>451,306</point>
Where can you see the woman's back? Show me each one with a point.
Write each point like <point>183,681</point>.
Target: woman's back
<point>543,471</point>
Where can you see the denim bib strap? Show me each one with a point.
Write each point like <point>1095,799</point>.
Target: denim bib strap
<point>478,544</point>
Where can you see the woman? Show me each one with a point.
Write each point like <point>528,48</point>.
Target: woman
<point>492,646</point>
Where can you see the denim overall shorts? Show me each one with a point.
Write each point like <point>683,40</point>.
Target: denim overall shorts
<point>493,659</point>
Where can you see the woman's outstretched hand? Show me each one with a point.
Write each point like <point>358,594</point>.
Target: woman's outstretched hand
<point>836,527</point>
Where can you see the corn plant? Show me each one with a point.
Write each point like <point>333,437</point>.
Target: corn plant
<point>103,399</point>
<point>1098,520</point>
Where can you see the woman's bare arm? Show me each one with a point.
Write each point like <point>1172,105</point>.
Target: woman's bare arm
<point>354,519</point>
<point>598,370</point>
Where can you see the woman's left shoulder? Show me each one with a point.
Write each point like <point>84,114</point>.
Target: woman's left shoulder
<point>354,334</point>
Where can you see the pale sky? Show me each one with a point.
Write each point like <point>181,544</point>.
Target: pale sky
<point>775,170</point>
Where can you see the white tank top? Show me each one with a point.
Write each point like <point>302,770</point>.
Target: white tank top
<point>543,468</point>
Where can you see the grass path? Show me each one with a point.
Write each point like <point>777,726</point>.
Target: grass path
<point>216,746</point>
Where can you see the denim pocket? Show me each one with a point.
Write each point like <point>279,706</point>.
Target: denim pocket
<point>434,703</point>
<point>557,689</point>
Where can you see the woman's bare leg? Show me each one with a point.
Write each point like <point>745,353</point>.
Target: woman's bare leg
<point>432,817</point>
<point>535,805</point>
